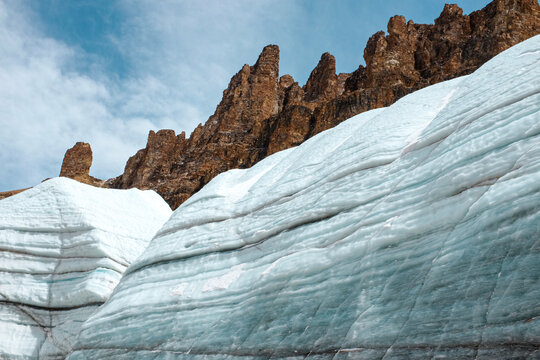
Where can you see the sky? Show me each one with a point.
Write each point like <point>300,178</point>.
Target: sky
<point>109,71</point>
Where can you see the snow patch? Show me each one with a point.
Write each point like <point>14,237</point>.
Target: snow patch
<point>224,281</point>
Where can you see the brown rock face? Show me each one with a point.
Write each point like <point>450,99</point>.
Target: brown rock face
<point>6,194</point>
<point>77,163</point>
<point>292,125</point>
<point>261,113</point>
<point>413,56</point>
<point>323,81</point>
<point>177,167</point>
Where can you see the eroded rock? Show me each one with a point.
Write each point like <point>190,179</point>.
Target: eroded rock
<point>261,113</point>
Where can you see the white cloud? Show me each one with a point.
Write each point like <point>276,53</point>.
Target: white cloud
<point>45,107</point>
<point>194,47</point>
<point>181,55</point>
<point>42,107</point>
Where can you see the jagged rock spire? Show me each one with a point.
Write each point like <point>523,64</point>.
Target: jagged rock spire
<point>77,161</point>
<point>268,62</point>
<point>323,81</point>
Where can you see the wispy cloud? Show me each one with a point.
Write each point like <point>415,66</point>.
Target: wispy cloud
<point>175,81</point>
<point>176,58</point>
<point>42,106</point>
<point>46,105</point>
<point>194,47</point>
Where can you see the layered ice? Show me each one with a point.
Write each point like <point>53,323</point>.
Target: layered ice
<point>63,248</point>
<point>406,232</point>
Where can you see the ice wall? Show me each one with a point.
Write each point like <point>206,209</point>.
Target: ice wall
<point>63,248</point>
<point>406,232</point>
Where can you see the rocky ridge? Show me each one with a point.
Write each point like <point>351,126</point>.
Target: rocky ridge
<point>261,113</point>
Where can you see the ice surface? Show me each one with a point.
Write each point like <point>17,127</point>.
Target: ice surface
<point>406,232</point>
<point>63,248</point>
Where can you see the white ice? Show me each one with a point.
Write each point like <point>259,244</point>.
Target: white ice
<point>406,232</point>
<point>63,249</point>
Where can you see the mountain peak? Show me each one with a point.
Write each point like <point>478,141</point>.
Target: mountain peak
<point>323,79</point>
<point>268,61</point>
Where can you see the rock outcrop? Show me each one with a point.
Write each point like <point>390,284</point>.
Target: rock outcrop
<point>413,56</point>
<point>77,163</point>
<point>262,113</point>
<point>231,138</point>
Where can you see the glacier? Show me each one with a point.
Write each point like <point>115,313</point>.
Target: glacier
<point>406,232</point>
<point>63,248</point>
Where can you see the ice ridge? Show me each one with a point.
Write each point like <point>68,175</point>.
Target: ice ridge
<point>406,232</point>
<point>63,248</point>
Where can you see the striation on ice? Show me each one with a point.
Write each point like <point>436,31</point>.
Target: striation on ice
<point>406,232</point>
<point>63,248</point>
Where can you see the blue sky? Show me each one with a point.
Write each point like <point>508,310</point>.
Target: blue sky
<point>106,72</point>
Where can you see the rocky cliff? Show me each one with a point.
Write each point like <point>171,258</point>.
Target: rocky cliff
<point>262,113</point>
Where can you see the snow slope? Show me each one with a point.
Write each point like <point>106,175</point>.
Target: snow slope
<point>63,248</point>
<point>406,232</point>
